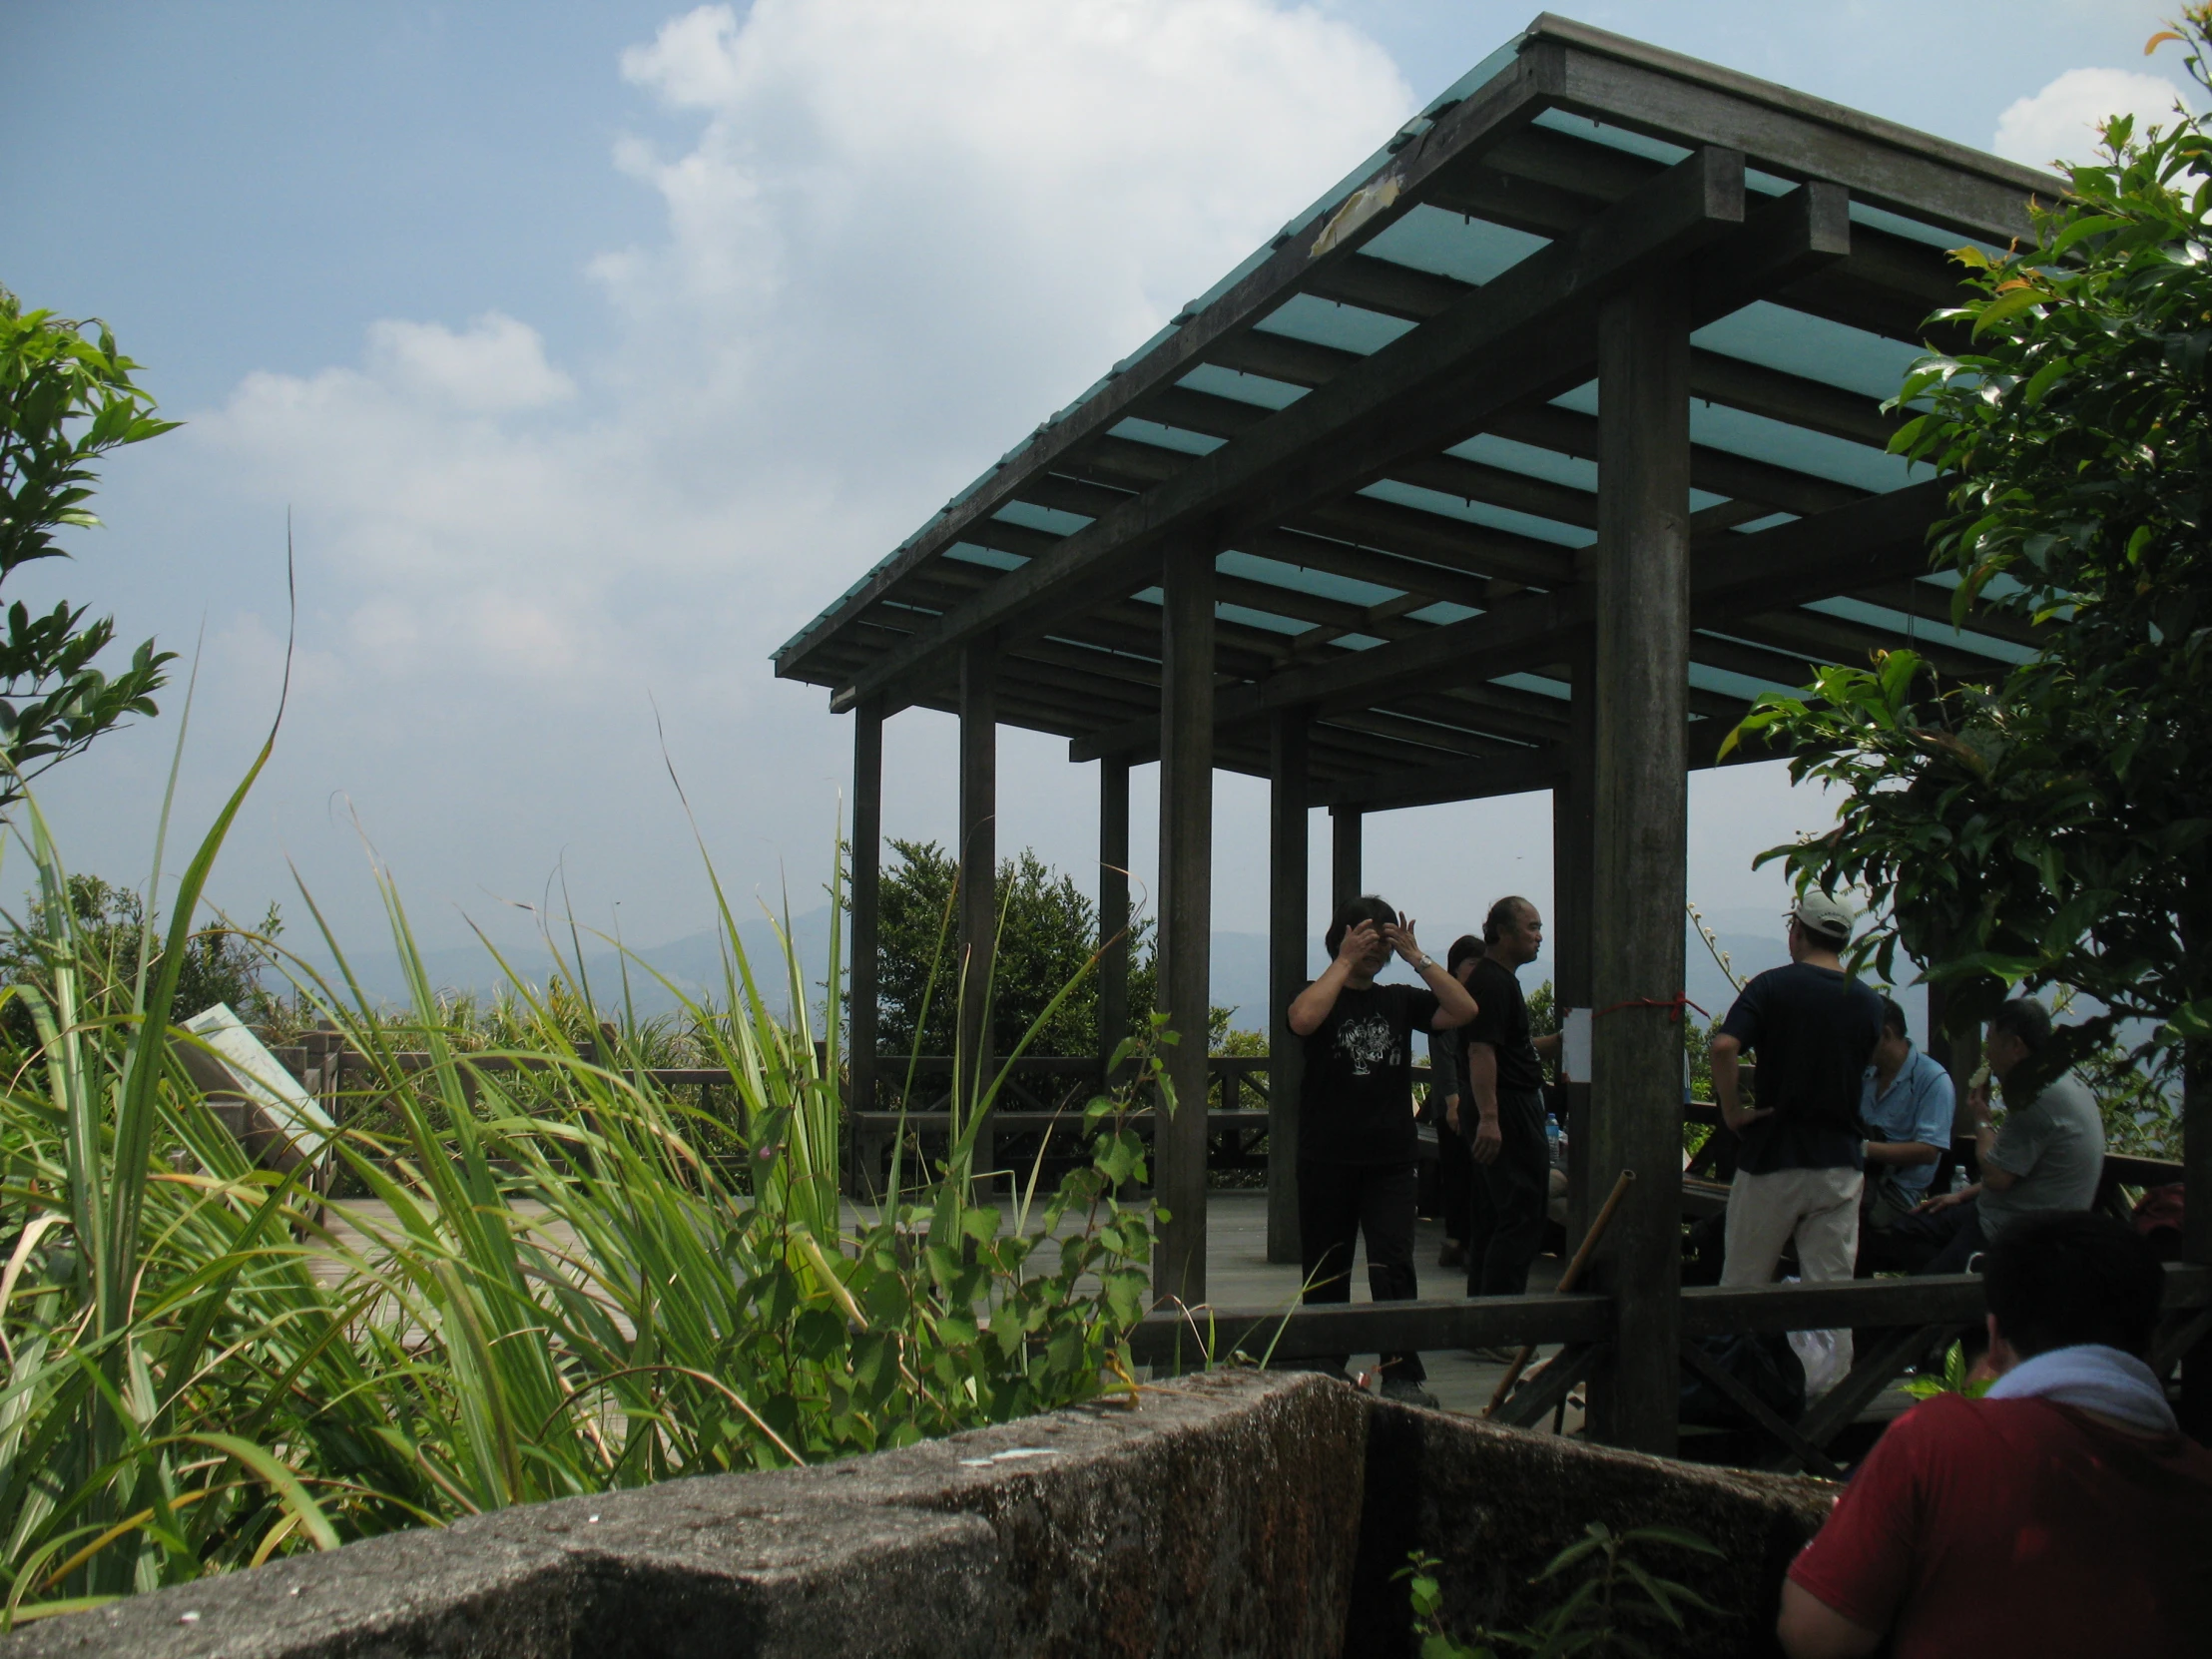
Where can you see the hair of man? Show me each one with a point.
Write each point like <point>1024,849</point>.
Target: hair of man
<point>2024,1020</point>
<point>1353,912</point>
<point>2062,1280</point>
<point>1892,1020</point>
<point>1503,914</point>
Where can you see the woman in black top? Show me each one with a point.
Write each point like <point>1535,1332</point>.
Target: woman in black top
<point>1356,1145</point>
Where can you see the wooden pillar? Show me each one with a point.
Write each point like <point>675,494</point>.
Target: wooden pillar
<point>1573,804</point>
<point>1640,848</point>
<point>1344,854</point>
<point>978,907</point>
<point>2196,1165</point>
<point>867,892</point>
<point>1288,860</point>
<point>1186,913</point>
<point>1113,908</point>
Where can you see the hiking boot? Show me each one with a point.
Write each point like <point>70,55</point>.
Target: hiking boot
<point>1406,1392</point>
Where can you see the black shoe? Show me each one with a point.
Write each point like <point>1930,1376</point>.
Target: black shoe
<point>1406,1392</point>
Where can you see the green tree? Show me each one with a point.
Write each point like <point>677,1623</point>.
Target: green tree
<point>66,399</point>
<point>107,925</point>
<point>1048,932</point>
<point>2056,829</point>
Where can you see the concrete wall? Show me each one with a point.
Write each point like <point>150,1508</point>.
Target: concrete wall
<point>1223,1516</point>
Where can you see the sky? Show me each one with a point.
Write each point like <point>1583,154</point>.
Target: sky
<point>589,351</point>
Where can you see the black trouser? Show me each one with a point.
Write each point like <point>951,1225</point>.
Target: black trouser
<point>1942,1242</point>
<point>1456,1182</point>
<point>1337,1204</point>
<point>1518,1182</point>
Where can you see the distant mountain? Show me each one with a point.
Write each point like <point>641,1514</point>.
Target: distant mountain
<point>693,965</point>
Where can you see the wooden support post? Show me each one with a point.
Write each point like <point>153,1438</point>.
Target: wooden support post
<point>1288,858</point>
<point>2196,1164</point>
<point>1186,912</point>
<point>867,892</point>
<point>1573,802</point>
<point>1641,848</point>
<point>1344,854</point>
<point>979,877</point>
<point>1113,908</point>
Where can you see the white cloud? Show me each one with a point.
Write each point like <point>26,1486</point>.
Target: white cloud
<point>904,234</point>
<point>2063,121</point>
<point>498,363</point>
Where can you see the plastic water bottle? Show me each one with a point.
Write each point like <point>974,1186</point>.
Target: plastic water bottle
<point>1552,1136</point>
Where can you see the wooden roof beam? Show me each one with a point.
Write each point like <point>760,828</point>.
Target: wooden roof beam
<point>1497,347</point>
<point>1875,540</point>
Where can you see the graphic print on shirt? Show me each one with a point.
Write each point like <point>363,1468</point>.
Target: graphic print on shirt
<point>1369,1044</point>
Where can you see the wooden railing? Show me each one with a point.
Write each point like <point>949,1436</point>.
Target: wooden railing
<point>1902,1321</point>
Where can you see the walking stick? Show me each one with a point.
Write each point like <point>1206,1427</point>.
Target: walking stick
<point>1567,1281</point>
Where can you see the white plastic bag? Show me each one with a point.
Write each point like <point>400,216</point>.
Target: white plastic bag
<point>1826,1356</point>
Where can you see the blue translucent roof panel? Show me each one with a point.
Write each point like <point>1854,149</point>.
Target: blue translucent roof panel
<point>1479,512</point>
<point>1525,459</point>
<point>1922,631</point>
<point>1535,683</point>
<point>1255,389</point>
<point>1331,323</point>
<point>1051,520</point>
<point>1810,347</point>
<point>1705,678</point>
<point>1448,244</point>
<point>1613,138</point>
<point>1261,619</point>
<point>1167,437</point>
<point>1321,584</point>
<point>1740,432</point>
<point>997,558</point>
<point>1444,611</point>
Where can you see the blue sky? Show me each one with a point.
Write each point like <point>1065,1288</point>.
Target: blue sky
<point>595,347</point>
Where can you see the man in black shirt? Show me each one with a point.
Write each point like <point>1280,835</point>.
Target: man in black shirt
<point>1501,1095</point>
<point>1801,1166</point>
<point>1356,1144</point>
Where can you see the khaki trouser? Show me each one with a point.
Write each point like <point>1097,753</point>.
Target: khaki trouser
<point>1818,1208</point>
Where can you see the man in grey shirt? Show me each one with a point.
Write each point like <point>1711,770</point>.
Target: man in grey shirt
<point>2048,1156</point>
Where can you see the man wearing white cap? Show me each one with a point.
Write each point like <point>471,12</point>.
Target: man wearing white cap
<point>1812,1029</point>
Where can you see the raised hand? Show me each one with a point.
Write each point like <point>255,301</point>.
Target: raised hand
<point>1399,938</point>
<point>1358,939</point>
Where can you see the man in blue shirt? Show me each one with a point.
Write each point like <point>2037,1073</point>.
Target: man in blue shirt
<point>1907,1105</point>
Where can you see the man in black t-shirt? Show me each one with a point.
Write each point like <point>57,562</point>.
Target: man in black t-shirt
<point>1357,1143</point>
<point>1801,1166</point>
<point>1500,1106</point>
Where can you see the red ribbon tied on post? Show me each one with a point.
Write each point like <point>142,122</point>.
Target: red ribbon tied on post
<point>1673,1004</point>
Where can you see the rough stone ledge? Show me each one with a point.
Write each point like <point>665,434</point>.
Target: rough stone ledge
<point>1219,1517</point>
<point>1494,1505</point>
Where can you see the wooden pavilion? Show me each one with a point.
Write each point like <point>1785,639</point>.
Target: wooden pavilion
<point>1517,462</point>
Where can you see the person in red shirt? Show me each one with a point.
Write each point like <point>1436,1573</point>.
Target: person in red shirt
<point>2063,1513</point>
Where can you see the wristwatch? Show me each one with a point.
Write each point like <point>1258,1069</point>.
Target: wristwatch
<point>1425,963</point>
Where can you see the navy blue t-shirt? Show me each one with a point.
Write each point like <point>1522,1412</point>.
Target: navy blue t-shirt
<point>1813,1031</point>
